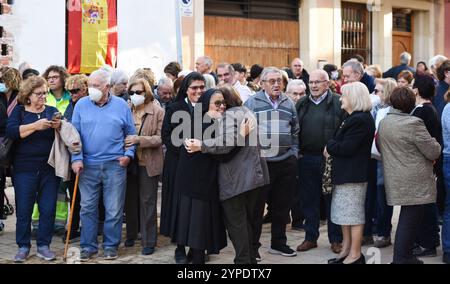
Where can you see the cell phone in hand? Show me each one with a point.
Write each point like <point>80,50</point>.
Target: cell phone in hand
<point>57,116</point>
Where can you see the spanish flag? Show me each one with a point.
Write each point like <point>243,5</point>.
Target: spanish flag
<point>92,35</point>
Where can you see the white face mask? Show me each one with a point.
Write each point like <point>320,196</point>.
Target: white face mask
<point>137,100</point>
<point>95,95</point>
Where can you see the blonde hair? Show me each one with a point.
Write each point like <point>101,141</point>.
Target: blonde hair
<point>80,80</point>
<point>375,70</point>
<point>146,74</point>
<point>11,78</point>
<point>389,86</point>
<point>358,96</point>
<point>28,86</point>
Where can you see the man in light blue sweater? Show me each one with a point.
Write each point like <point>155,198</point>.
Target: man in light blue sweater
<point>103,121</point>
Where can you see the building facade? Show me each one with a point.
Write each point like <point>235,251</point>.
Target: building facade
<point>152,33</point>
<point>320,31</point>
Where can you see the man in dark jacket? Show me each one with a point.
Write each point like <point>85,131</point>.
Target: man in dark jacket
<point>319,115</point>
<point>353,71</point>
<point>405,60</point>
<point>299,72</point>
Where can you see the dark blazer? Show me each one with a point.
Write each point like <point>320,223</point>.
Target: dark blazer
<point>396,70</point>
<point>350,149</point>
<point>369,81</point>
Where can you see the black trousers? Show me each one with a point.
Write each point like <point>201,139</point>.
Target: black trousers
<point>408,226</point>
<point>281,191</point>
<point>141,207</point>
<point>238,214</point>
<point>2,192</point>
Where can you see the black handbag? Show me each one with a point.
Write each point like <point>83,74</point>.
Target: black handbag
<point>5,151</point>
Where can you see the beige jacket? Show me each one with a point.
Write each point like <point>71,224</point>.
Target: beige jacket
<point>150,141</point>
<point>67,141</point>
<point>408,152</point>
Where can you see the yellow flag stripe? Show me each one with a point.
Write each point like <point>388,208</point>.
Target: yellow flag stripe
<point>94,35</point>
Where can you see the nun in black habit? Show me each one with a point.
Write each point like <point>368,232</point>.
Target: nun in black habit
<point>200,224</point>
<point>194,83</point>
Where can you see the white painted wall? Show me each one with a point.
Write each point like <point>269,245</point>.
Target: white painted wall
<point>147,34</point>
<point>39,29</point>
<point>146,30</point>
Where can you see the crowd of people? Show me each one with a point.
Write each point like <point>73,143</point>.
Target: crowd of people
<point>341,144</point>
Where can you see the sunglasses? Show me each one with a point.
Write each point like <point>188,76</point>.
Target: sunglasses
<point>378,91</point>
<point>131,93</point>
<point>74,91</point>
<point>219,103</point>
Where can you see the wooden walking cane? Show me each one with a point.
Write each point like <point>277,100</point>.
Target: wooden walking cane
<point>74,197</point>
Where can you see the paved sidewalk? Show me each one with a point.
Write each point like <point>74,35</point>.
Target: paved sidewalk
<point>165,251</point>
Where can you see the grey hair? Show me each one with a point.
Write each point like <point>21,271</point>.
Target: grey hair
<point>405,58</point>
<point>270,70</point>
<point>103,75</point>
<point>356,66</point>
<point>210,82</point>
<point>119,76</point>
<point>436,61</point>
<point>294,83</point>
<point>208,61</point>
<point>164,81</point>
<point>226,65</point>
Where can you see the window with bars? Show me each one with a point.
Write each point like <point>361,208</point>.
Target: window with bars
<point>256,9</point>
<point>356,31</point>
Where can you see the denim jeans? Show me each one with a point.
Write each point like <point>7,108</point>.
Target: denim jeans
<point>110,179</point>
<point>41,186</point>
<point>446,218</point>
<point>311,171</point>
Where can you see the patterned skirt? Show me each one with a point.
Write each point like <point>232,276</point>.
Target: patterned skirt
<point>348,204</point>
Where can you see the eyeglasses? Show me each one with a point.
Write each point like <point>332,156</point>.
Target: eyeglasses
<point>273,81</point>
<point>131,93</point>
<point>378,91</point>
<point>56,77</point>
<point>298,94</point>
<point>317,82</point>
<point>196,88</point>
<point>40,95</point>
<point>220,102</point>
<point>223,75</point>
<point>74,91</point>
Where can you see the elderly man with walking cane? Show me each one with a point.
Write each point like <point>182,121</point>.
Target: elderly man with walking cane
<point>104,121</point>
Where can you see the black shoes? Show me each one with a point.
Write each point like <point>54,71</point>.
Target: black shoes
<point>337,260</point>
<point>360,260</point>
<point>180,256</point>
<point>446,258</point>
<point>424,252</point>
<point>130,243</point>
